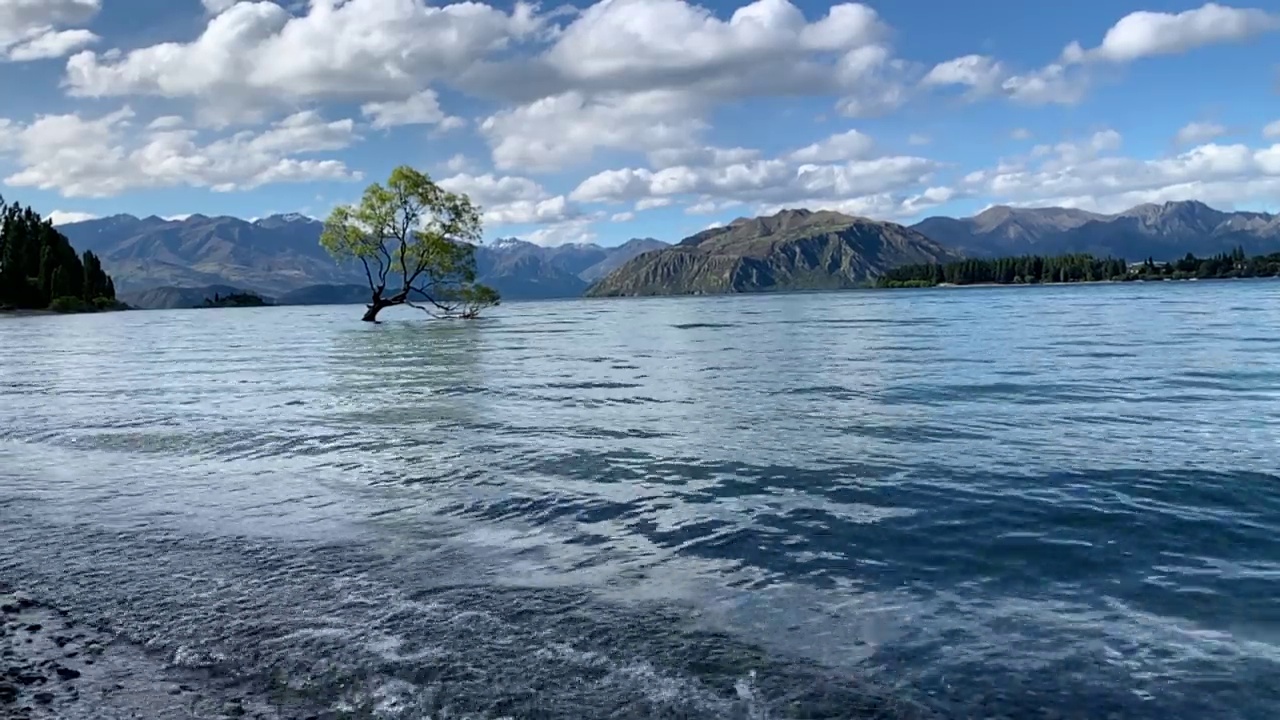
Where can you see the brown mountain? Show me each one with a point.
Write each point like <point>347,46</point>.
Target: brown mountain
<point>792,250</point>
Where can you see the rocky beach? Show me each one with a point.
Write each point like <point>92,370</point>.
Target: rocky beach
<point>52,666</point>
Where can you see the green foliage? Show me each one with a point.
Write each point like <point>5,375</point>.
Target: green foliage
<point>1031,269</point>
<point>416,242</point>
<point>39,268</point>
<point>245,299</point>
<point>69,304</point>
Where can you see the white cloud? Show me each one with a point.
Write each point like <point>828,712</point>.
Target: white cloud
<point>1089,175</point>
<point>66,217</point>
<point>622,217</point>
<point>849,145</point>
<point>104,156</point>
<point>566,129</point>
<point>1020,134</point>
<point>651,203</point>
<point>1272,130</point>
<point>256,53</point>
<point>512,200</point>
<point>979,72</point>
<point>421,108</point>
<point>1145,34</point>
<point>845,176</point>
<point>918,139</point>
<point>29,29</point>
<point>577,230</point>
<point>1055,83</point>
<point>166,122</point>
<point>459,163</point>
<point>1198,132</point>
<point>766,47</point>
<point>692,155</point>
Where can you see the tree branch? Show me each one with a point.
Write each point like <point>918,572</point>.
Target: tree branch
<point>368,274</point>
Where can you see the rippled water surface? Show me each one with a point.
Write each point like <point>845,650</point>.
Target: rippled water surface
<point>964,503</point>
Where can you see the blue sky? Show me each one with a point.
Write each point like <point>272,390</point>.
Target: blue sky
<point>631,118</point>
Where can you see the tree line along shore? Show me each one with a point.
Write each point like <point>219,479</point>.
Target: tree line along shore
<point>1081,268</point>
<point>39,270</point>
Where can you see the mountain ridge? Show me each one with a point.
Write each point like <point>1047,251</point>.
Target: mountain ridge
<point>794,249</point>
<point>1163,231</point>
<point>280,256</point>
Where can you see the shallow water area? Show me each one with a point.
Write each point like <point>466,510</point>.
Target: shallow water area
<point>1020,502</point>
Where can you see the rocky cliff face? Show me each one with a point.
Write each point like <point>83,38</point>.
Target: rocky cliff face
<point>792,250</point>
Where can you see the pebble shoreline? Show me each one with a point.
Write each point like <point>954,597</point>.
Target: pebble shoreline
<point>53,667</point>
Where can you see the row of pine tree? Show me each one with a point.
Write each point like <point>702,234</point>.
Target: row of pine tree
<point>39,268</point>
<point>1032,269</point>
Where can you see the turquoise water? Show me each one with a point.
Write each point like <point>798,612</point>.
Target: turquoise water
<point>952,503</point>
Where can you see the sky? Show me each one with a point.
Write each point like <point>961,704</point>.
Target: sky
<point>638,118</point>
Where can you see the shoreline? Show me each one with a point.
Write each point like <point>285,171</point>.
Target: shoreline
<point>53,666</point>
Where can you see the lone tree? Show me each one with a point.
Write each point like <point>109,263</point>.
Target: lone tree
<point>416,242</point>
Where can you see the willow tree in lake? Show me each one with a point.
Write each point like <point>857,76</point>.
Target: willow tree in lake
<point>416,243</point>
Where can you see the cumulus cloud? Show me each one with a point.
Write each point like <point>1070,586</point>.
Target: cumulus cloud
<point>566,129</point>
<point>1195,133</point>
<point>255,53</point>
<point>1272,130</point>
<point>105,156</point>
<point>1066,79</point>
<point>643,74</point>
<point>1089,174</point>
<point>981,73</point>
<point>421,108</point>
<point>849,145</point>
<point>766,47</point>
<point>512,200</point>
<point>838,172</point>
<point>577,230</point>
<point>1145,34</point>
<point>34,29</point>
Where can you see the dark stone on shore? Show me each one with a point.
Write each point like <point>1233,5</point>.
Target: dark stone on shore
<point>8,693</point>
<point>67,673</point>
<point>10,608</point>
<point>88,661</point>
<point>44,697</point>
<point>34,627</point>
<point>31,679</point>
<point>61,640</point>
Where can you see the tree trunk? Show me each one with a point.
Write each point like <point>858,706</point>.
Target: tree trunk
<point>375,306</point>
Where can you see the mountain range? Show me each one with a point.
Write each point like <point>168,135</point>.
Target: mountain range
<point>280,256</point>
<point>790,250</point>
<point>165,263</point>
<point>1161,231</point>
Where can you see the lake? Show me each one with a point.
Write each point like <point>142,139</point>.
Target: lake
<point>1051,502</point>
